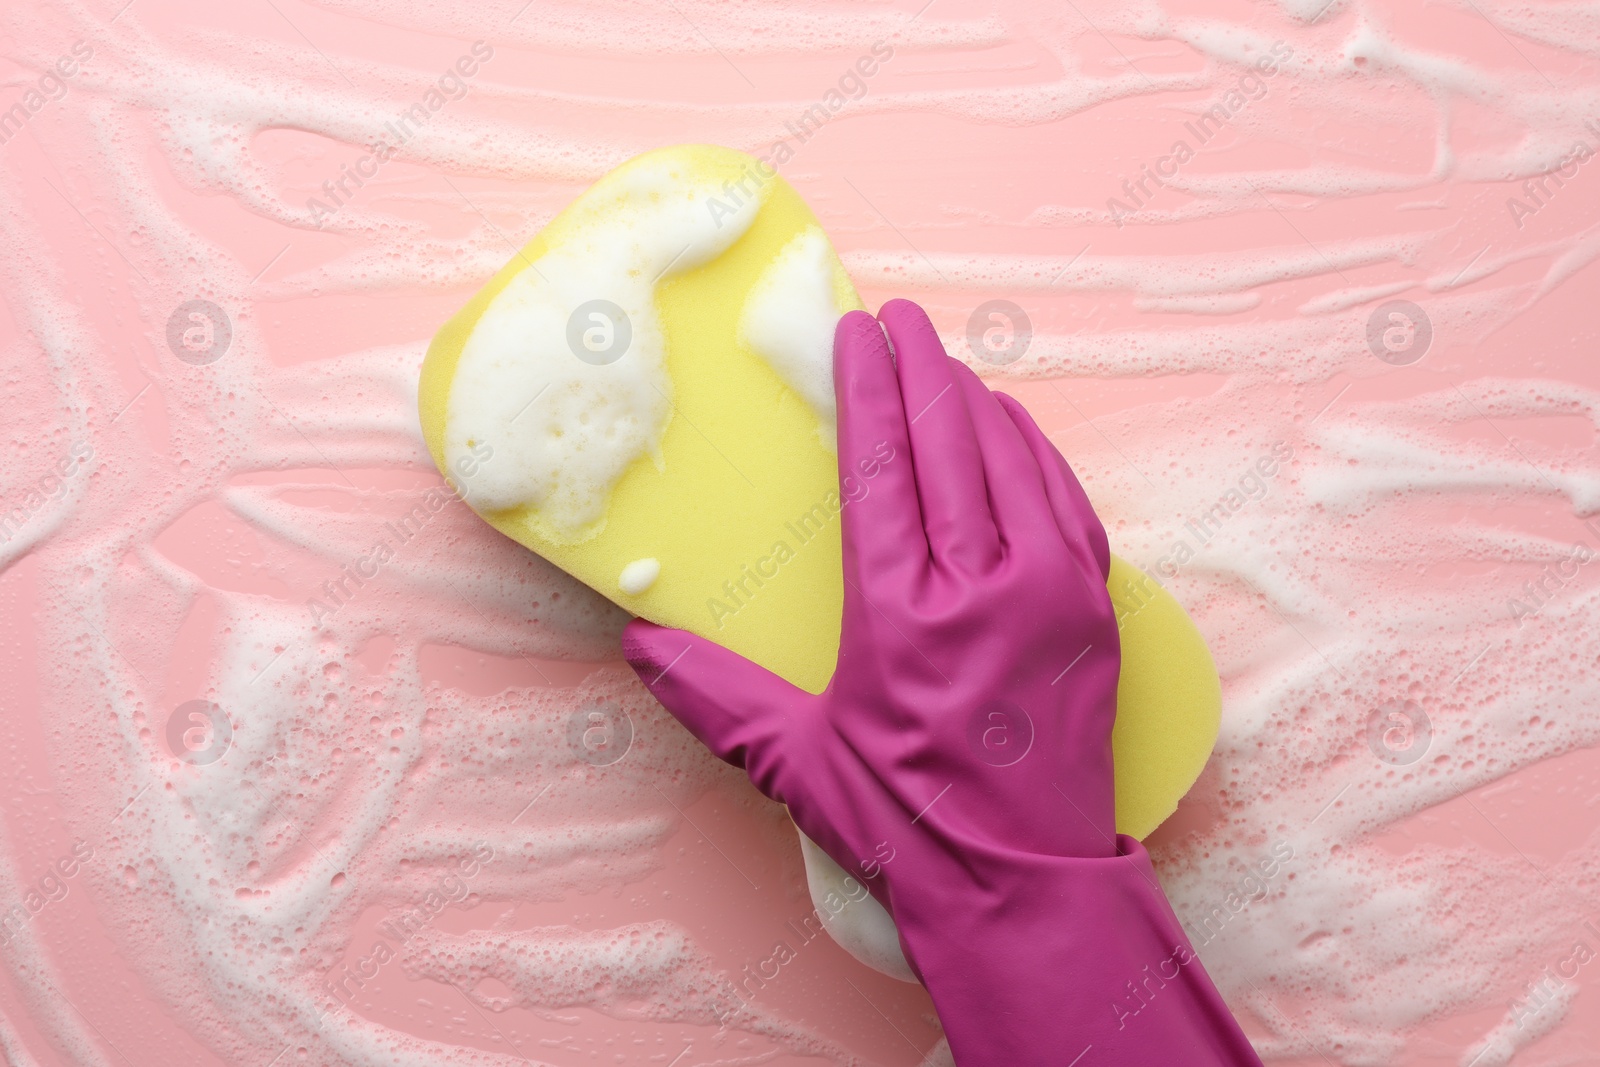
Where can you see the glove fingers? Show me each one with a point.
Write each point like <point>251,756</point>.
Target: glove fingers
<point>885,548</point>
<point>944,449</point>
<point>1080,526</point>
<point>740,710</point>
<point>1017,497</point>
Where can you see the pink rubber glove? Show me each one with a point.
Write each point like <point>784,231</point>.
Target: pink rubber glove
<point>959,762</point>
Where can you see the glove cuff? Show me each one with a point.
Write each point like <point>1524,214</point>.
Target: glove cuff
<point>1049,956</point>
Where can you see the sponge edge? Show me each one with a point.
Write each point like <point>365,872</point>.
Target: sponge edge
<point>1169,701</point>
<point>739,505</point>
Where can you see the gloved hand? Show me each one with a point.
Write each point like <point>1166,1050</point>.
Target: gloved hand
<point>959,763</point>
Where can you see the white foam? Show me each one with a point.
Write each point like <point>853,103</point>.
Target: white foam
<point>863,927</point>
<point>1308,597</point>
<point>563,379</point>
<point>639,575</point>
<point>789,319</point>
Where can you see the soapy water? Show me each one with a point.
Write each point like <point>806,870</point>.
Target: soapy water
<point>1365,601</point>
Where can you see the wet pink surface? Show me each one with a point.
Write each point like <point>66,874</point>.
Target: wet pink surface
<point>1385,159</point>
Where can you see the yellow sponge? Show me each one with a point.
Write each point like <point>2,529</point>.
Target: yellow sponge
<point>727,522</point>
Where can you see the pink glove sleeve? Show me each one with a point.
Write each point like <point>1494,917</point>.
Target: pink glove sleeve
<point>959,762</point>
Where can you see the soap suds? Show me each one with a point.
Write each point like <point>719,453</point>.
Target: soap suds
<point>639,575</point>
<point>221,892</point>
<point>862,926</point>
<point>563,381</point>
<point>789,320</point>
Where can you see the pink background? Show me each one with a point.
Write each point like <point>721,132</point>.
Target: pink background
<point>1167,354</point>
